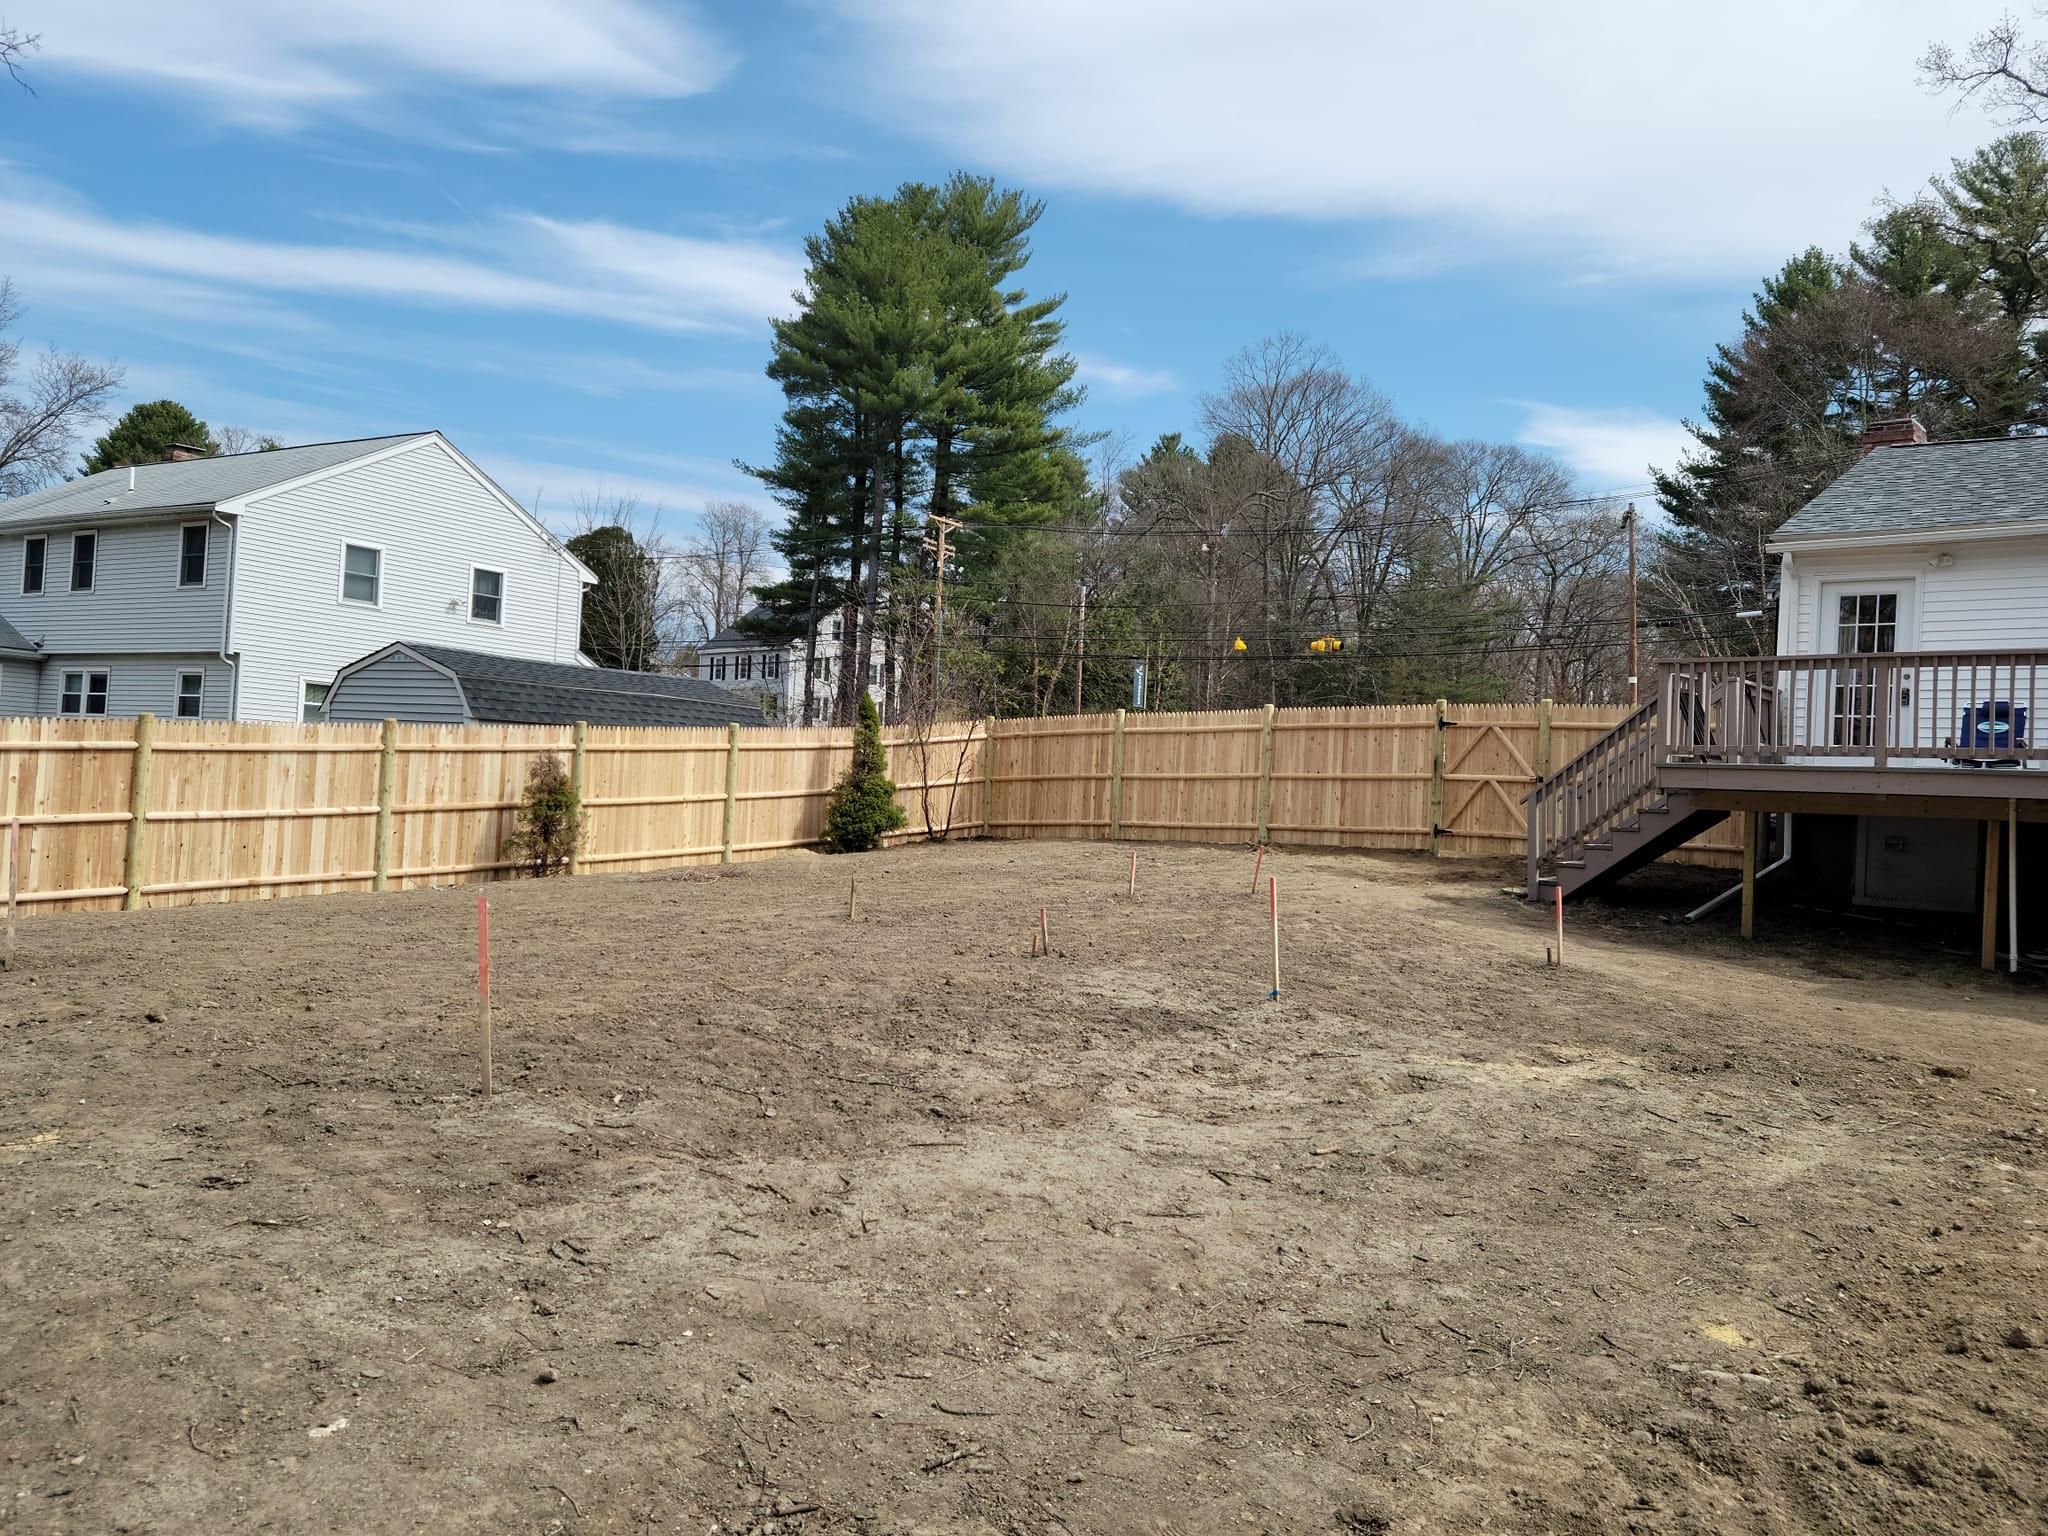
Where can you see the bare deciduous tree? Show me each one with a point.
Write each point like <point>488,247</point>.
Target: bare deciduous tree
<point>244,440</point>
<point>15,47</point>
<point>44,406</point>
<point>1999,65</point>
<point>719,568</point>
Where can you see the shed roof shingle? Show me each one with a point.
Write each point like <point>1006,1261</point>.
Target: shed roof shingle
<point>1935,486</point>
<point>187,483</point>
<point>513,690</point>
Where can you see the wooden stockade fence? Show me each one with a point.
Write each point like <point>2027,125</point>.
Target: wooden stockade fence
<point>135,813</point>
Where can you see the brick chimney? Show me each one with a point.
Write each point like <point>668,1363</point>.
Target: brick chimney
<point>178,453</point>
<point>1898,431</point>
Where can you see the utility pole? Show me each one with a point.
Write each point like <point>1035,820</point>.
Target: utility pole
<point>1081,648</point>
<point>1635,670</point>
<point>943,526</point>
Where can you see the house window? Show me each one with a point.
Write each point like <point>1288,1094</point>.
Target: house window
<point>192,555</point>
<point>191,689</point>
<point>874,674</point>
<point>746,666</point>
<point>362,574</point>
<point>85,693</point>
<point>487,596</point>
<point>34,551</point>
<point>718,669</point>
<point>313,702</point>
<point>834,631</point>
<point>85,548</point>
<point>771,664</point>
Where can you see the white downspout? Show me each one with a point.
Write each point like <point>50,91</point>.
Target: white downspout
<point>1734,891</point>
<point>227,614</point>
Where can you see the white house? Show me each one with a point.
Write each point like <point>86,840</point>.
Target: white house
<point>236,586</point>
<point>773,673</point>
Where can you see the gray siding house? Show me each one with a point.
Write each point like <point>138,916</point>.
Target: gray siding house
<point>438,684</point>
<point>235,587</point>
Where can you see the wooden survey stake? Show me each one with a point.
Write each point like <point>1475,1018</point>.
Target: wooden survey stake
<point>1557,895</point>
<point>1134,873</point>
<point>483,984</point>
<point>1256,862</point>
<point>852,882</point>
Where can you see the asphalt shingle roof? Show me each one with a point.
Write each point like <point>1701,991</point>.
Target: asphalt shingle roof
<point>12,639</point>
<point>187,483</point>
<point>1910,486</point>
<point>512,690</point>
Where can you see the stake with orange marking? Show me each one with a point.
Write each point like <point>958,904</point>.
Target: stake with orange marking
<point>1044,934</point>
<point>483,983</point>
<point>1255,868</point>
<point>1273,904</point>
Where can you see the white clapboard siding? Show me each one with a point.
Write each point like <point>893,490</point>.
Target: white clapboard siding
<point>1993,595</point>
<point>434,521</point>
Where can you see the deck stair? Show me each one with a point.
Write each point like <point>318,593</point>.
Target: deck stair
<point>1604,813</point>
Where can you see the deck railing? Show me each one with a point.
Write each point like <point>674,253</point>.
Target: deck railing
<point>1908,707</point>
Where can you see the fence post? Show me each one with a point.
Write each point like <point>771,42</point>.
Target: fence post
<point>1543,768</point>
<point>732,786</point>
<point>1116,780</point>
<point>387,787</point>
<point>1436,784</point>
<point>580,731</point>
<point>1266,777</point>
<point>134,865</point>
<point>988,774</point>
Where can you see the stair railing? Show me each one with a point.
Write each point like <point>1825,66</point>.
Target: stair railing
<point>1596,791</point>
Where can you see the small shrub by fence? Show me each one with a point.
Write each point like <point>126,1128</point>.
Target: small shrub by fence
<point>152,813</point>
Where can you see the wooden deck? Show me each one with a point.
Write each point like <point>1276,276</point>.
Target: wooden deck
<point>1945,734</point>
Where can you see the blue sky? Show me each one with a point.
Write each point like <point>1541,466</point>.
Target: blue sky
<point>555,228</point>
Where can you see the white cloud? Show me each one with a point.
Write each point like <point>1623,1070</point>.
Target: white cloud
<point>586,269</point>
<point>260,61</point>
<point>1606,449</point>
<point>1124,380</point>
<point>1699,140</point>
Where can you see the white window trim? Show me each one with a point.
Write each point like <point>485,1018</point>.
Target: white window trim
<point>84,676</point>
<point>178,693</point>
<point>499,621</point>
<point>26,591</point>
<point>341,579</point>
<point>205,562</point>
<point>324,682</point>
<point>71,565</point>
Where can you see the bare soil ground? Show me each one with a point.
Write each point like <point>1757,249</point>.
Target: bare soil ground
<point>781,1223</point>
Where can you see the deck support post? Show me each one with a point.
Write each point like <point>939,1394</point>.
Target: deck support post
<point>2012,887</point>
<point>1752,837</point>
<point>1987,956</point>
<point>135,870</point>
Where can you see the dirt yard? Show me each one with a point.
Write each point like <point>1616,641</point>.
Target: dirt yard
<point>784,1224</point>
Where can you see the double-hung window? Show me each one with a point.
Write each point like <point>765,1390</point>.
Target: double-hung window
<point>771,664</point>
<point>192,555</point>
<point>362,574</point>
<point>35,551</point>
<point>746,665</point>
<point>85,553</point>
<point>84,693</point>
<point>313,702</point>
<point>191,693</point>
<point>718,669</point>
<point>487,596</point>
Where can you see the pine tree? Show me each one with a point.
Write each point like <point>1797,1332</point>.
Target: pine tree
<point>145,434</point>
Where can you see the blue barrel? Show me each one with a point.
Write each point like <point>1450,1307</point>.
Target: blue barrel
<point>1994,724</point>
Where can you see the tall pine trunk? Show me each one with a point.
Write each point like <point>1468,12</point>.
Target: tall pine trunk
<point>855,677</point>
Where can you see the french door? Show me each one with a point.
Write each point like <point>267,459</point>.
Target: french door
<point>1857,622</point>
